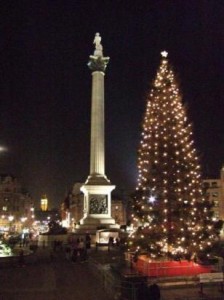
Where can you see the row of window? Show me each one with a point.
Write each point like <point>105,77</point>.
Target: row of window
<point>13,208</point>
<point>213,184</point>
<point>213,194</point>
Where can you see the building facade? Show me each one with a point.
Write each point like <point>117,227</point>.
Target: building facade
<point>215,193</point>
<point>16,206</point>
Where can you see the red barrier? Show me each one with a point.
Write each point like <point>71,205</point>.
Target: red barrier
<point>151,268</point>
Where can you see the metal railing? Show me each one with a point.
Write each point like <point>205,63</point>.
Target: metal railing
<point>119,289</point>
<point>200,297</point>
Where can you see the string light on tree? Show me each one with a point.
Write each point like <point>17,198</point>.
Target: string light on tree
<point>179,219</point>
<point>152,199</point>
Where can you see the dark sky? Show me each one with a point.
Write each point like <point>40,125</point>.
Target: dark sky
<point>45,90</point>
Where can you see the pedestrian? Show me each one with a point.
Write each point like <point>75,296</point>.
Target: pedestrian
<point>110,243</point>
<point>142,292</point>
<point>117,241</point>
<point>26,241</point>
<point>52,255</point>
<point>74,254</point>
<point>68,252</point>
<point>154,291</point>
<point>21,258</point>
<point>81,249</point>
<point>88,241</point>
<point>55,245</point>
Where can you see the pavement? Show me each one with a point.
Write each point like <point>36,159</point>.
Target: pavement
<point>50,276</point>
<point>192,293</point>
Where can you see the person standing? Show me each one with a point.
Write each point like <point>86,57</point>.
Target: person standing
<point>154,291</point>
<point>81,249</point>
<point>110,243</point>
<point>21,258</point>
<point>142,292</point>
<point>74,252</point>
<point>68,252</point>
<point>88,241</point>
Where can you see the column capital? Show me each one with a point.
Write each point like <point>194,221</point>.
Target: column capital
<point>98,63</point>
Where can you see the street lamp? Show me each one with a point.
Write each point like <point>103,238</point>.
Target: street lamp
<point>10,218</point>
<point>23,219</point>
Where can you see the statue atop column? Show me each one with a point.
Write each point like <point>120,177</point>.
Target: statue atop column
<point>98,47</point>
<point>97,61</point>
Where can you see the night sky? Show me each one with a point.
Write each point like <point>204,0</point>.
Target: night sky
<point>45,84</point>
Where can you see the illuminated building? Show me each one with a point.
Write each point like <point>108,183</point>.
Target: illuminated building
<point>215,192</point>
<point>16,206</point>
<point>44,203</point>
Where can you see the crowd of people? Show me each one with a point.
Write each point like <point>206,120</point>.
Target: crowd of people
<point>77,248</point>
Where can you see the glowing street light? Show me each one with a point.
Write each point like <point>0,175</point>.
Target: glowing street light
<point>11,218</point>
<point>3,149</point>
<point>23,219</point>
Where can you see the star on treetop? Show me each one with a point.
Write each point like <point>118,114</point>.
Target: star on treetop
<point>164,53</point>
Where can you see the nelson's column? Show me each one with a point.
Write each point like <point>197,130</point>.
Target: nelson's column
<point>97,188</point>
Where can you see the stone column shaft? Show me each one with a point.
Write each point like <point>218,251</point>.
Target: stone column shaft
<point>97,156</point>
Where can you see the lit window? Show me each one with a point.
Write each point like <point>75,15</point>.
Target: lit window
<point>216,214</point>
<point>216,203</point>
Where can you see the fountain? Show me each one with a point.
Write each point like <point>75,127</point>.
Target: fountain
<point>10,257</point>
<point>5,250</point>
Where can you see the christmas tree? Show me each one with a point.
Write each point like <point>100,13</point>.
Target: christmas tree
<point>170,213</point>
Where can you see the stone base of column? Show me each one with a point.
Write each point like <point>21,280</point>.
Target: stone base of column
<point>97,204</point>
<point>97,222</point>
<point>91,225</point>
<point>97,179</point>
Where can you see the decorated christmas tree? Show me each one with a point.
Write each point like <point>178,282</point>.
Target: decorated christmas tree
<point>170,216</point>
